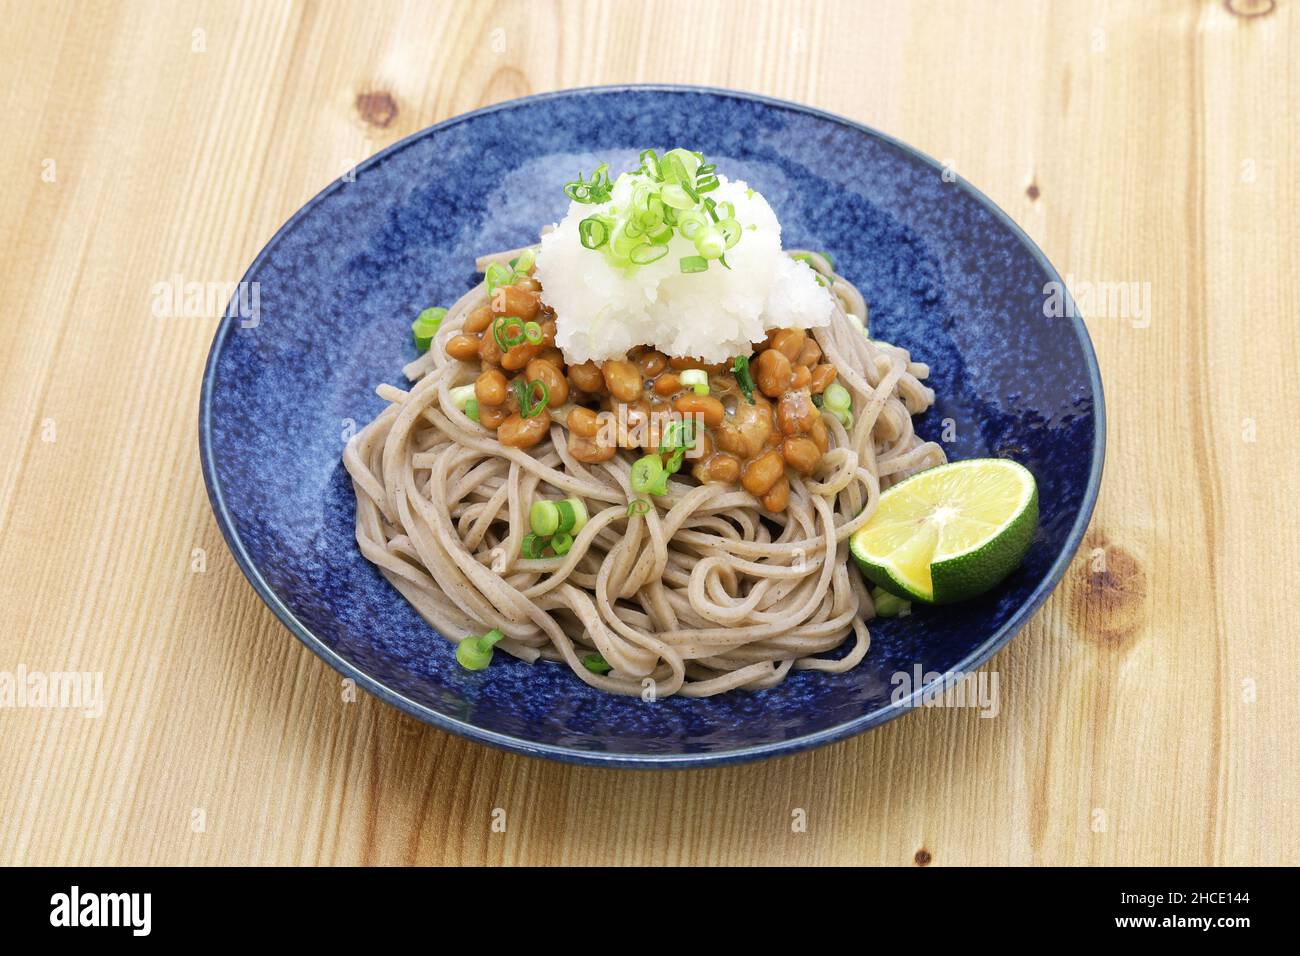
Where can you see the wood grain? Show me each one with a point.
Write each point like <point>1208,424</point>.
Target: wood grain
<point>1149,713</point>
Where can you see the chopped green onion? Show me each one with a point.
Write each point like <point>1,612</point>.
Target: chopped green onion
<point>674,446</point>
<point>596,664</point>
<point>679,448</point>
<point>425,326</point>
<point>522,263</point>
<point>471,410</point>
<point>666,195</point>
<point>675,196</point>
<point>690,222</point>
<point>475,653</point>
<point>524,396</point>
<point>532,546</point>
<point>573,515</point>
<point>730,230</point>
<point>889,605</point>
<point>746,381</point>
<point>533,333</point>
<point>647,253</point>
<point>502,333</point>
<point>836,398</point>
<point>561,543</point>
<point>462,396</point>
<point>594,190</point>
<point>639,506</point>
<point>670,439</point>
<point>496,276</point>
<point>593,232</point>
<point>648,476</point>
<point>845,417</point>
<point>695,377</point>
<point>544,518</point>
<point>650,163</point>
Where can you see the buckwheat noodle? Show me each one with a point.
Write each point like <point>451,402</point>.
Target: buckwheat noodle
<point>704,594</point>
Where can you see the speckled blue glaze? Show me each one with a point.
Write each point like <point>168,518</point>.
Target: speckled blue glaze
<point>945,272</point>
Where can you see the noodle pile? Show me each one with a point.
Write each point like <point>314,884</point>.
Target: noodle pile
<point>703,594</point>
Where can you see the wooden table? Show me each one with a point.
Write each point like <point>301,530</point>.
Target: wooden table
<point>1149,711</point>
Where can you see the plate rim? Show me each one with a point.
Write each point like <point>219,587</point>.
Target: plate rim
<point>975,659</point>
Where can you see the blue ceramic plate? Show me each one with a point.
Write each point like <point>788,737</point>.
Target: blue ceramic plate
<point>945,272</point>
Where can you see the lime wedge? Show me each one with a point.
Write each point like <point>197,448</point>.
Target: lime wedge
<point>949,533</point>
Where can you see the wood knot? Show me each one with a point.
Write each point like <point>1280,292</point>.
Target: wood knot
<point>1032,191</point>
<point>1250,9</point>
<point>922,857</point>
<point>377,108</point>
<point>1112,586</point>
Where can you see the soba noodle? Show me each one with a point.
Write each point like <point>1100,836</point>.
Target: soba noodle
<point>704,593</point>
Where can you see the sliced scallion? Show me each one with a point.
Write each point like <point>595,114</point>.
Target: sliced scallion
<point>695,378</point>
<point>532,546</point>
<point>593,232</point>
<point>573,515</point>
<point>529,406</point>
<point>648,476</point>
<point>667,194</point>
<point>746,381</point>
<point>544,517</point>
<point>508,331</point>
<point>522,264</point>
<point>475,653</point>
<point>647,253</point>
<point>462,396</point>
<point>496,276</point>
<point>425,326</point>
<point>561,543</point>
<point>836,398</point>
<point>677,438</point>
<point>710,243</point>
<point>597,189</point>
<point>596,664</point>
